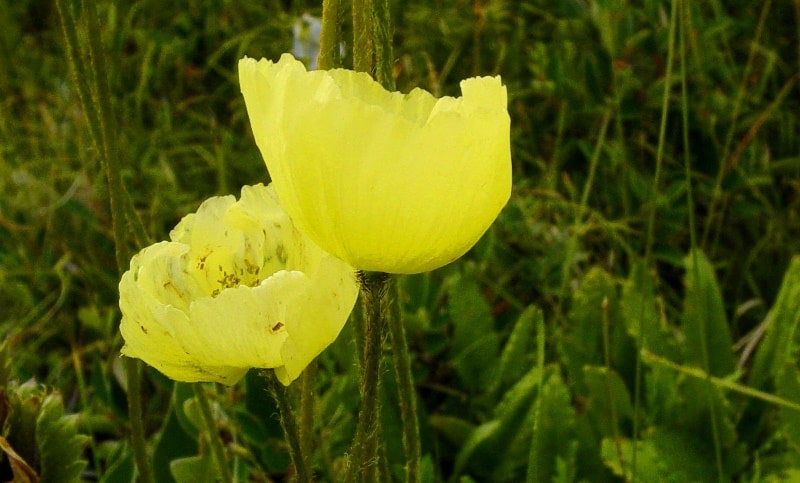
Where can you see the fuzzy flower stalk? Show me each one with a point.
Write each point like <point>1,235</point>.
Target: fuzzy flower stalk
<point>387,182</point>
<point>238,286</point>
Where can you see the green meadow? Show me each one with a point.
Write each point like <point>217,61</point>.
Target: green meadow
<point>632,315</point>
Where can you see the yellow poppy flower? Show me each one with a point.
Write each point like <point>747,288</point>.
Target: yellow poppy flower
<point>237,287</point>
<point>384,181</point>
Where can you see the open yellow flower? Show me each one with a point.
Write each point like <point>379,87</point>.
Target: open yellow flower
<point>237,287</point>
<point>385,181</point>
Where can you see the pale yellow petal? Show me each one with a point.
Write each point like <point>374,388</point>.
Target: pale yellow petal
<point>384,181</point>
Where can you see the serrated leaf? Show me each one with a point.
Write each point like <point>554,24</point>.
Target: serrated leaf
<point>708,338</point>
<point>609,401</point>
<point>480,452</point>
<point>517,356</point>
<point>475,344</point>
<point>781,333</point>
<point>553,447</point>
<point>582,344</point>
<point>640,314</point>
<point>60,445</point>
<point>664,457</point>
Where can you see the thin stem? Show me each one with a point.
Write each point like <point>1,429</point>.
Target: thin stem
<point>217,451</point>
<point>384,57</point>
<point>330,38</point>
<point>307,400</point>
<point>280,393</point>
<point>405,387</point>
<point>133,371</point>
<point>365,444</point>
<point>363,37</point>
<point>651,221</point>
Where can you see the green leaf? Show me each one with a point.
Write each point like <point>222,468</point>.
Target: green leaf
<point>553,448</point>
<point>664,456</point>
<point>475,344</point>
<point>641,315</point>
<point>60,445</point>
<point>787,385</point>
<point>192,469</point>
<point>504,435</point>
<point>517,356</point>
<point>609,402</point>
<point>781,332</point>
<point>708,338</point>
<point>582,344</point>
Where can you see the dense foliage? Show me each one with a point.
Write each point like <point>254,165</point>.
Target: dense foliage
<point>633,314</point>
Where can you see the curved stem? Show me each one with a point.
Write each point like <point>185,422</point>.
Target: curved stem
<point>291,432</point>
<point>217,451</point>
<point>405,387</point>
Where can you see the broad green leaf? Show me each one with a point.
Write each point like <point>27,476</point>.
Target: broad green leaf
<point>480,452</point>
<point>192,469</point>
<point>609,401</point>
<point>708,338</point>
<point>663,457</point>
<point>475,344</point>
<point>517,356</point>
<point>582,343</point>
<point>787,385</point>
<point>553,447</point>
<point>781,332</point>
<point>452,428</point>
<point>60,445</point>
<point>640,313</point>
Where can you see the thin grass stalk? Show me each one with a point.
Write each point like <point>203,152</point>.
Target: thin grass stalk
<point>651,219</point>
<point>572,244</point>
<point>214,442</point>
<point>291,431</point>
<point>737,106</point>
<point>406,393</point>
<point>722,382</point>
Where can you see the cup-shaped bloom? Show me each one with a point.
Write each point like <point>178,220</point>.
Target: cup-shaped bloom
<point>237,287</point>
<point>384,181</point>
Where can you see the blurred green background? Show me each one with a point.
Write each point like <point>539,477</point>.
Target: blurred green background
<point>655,208</point>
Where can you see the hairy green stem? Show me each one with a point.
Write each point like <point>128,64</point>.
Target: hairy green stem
<point>363,41</point>
<point>291,431</point>
<point>330,38</point>
<point>217,451</point>
<point>366,442</point>
<point>407,396</point>
<point>384,57</point>
<point>89,72</point>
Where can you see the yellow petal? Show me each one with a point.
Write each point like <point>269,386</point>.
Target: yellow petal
<point>384,181</point>
<point>238,287</point>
